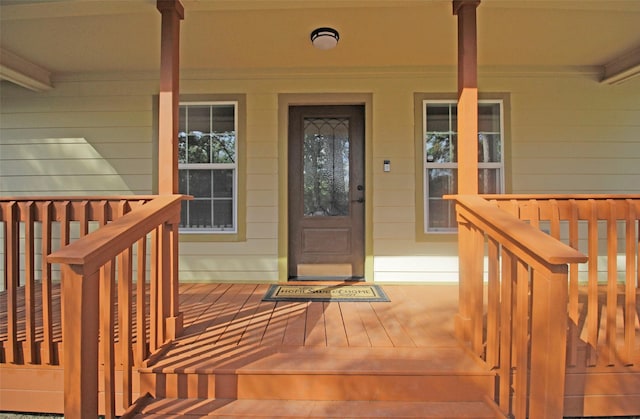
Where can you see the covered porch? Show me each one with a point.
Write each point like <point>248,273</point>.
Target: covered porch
<point>542,317</point>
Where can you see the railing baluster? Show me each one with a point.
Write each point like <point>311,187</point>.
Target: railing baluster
<point>12,275</point>
<point>574,291</point>
<point>27,218</point>
<point>107,282</point>
<point>632,254</point>
<point>141,306</point>
<point>155,325</point>
<point>125,270</point>
<point>612,281</point>
<point>493,304</point>
<point>592,290</point>
<point>522,339</point>
<point>47,292</point>
<point>507,329</point>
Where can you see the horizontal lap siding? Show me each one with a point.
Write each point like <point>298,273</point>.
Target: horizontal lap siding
<point>94,134</point>
<point>82,137</point>
<point>574,135</point>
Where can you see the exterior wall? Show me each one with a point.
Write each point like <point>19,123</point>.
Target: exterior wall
<point>84,137</point>
<point>94,135</point>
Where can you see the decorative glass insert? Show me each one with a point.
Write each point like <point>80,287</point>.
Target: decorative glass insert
<point>441,158</point>
<point>326,167</point>
<point>207,164</point>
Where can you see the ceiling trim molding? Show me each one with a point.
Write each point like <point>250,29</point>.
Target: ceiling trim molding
<point>622,68</point>
<point>24,73</point>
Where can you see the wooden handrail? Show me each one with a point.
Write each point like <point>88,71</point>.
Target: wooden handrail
<point>521,237</point>
<point>511,252</point>
<point>96,249</point>
<point>89,272</point>
<point>527,297</point>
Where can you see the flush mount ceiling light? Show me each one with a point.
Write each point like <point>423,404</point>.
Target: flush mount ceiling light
<point>325,38</point>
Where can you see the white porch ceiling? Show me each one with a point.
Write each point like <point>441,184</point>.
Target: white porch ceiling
<point>78,36</point>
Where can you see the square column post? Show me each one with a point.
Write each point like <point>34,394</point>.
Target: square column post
<point>172,12</point>
<point>467,96</point>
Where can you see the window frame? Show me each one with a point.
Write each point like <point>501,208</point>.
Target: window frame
<point>421,101</point>
<point>239,193</point>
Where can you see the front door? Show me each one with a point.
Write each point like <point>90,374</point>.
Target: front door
<point>326,191</point>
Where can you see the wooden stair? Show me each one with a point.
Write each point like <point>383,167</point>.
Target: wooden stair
<point>297,382</point>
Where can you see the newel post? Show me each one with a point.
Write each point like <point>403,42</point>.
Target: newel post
<point>468,321</point>
<point>548,342</point>
<point>80,322</point>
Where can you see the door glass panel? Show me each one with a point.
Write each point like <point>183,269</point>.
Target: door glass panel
<point>326,167</point>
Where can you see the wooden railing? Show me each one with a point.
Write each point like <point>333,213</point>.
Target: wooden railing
<point>512,246</point>
<point>105,246</point>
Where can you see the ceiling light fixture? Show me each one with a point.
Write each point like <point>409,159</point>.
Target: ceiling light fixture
<point>325,38</point>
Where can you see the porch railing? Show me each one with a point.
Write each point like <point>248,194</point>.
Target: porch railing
<point>116,289</point>
<point>511,246</point>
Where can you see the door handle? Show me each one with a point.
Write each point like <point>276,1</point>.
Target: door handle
<point>359,200</point>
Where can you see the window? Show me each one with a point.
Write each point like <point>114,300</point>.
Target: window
<point>208,166</point>
<point>440,158</point>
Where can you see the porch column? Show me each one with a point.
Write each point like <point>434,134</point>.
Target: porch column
<point>172,12</point>
<point>468,240</point>
<point>467,96</point>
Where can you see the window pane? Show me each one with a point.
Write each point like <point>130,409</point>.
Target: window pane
<point>442,214</point>
<point>198,147</point>
<point>489,148</point>
<point>441,117</point>
<point>182,147</point>
<point>326,167</point>
<point>223,147</point>
<point>441,182</point>
<point>200,183</point>
<point>223,213</point>
<point>200,213</point>
<point>183,182</point>
<point>441,148</point>
<point>489,181</point>
<point>223,119</point>
<point>489,117</point>
<point>198,118</point>
<point>184,210</point>
<point>223,183</point>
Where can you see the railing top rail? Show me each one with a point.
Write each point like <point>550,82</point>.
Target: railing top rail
<point>516,233</point>
<point>78,198</point>
<point>507,197</point>
<point>95,249</point>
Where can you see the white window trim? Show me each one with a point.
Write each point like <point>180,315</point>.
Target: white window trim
<point>452,165</point>
<point>217,166</point>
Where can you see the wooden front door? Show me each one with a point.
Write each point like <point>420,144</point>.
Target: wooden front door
<point>326,191</point>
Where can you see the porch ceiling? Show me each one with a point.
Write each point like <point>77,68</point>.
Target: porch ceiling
<point>70,36</point>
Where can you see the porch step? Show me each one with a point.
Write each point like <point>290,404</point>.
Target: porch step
<point>435,375</point>
<point>229,408</point>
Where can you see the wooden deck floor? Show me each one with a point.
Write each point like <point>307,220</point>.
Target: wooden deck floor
<point>227,316</point>
<point>371,359</point>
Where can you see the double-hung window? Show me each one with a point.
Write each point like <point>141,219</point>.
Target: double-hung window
<point>440,158</point>
<point>208,166</point>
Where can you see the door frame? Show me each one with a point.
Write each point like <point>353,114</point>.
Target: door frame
<point>285,100</point>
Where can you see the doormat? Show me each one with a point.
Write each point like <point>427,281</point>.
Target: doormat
<point>339,293</point>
